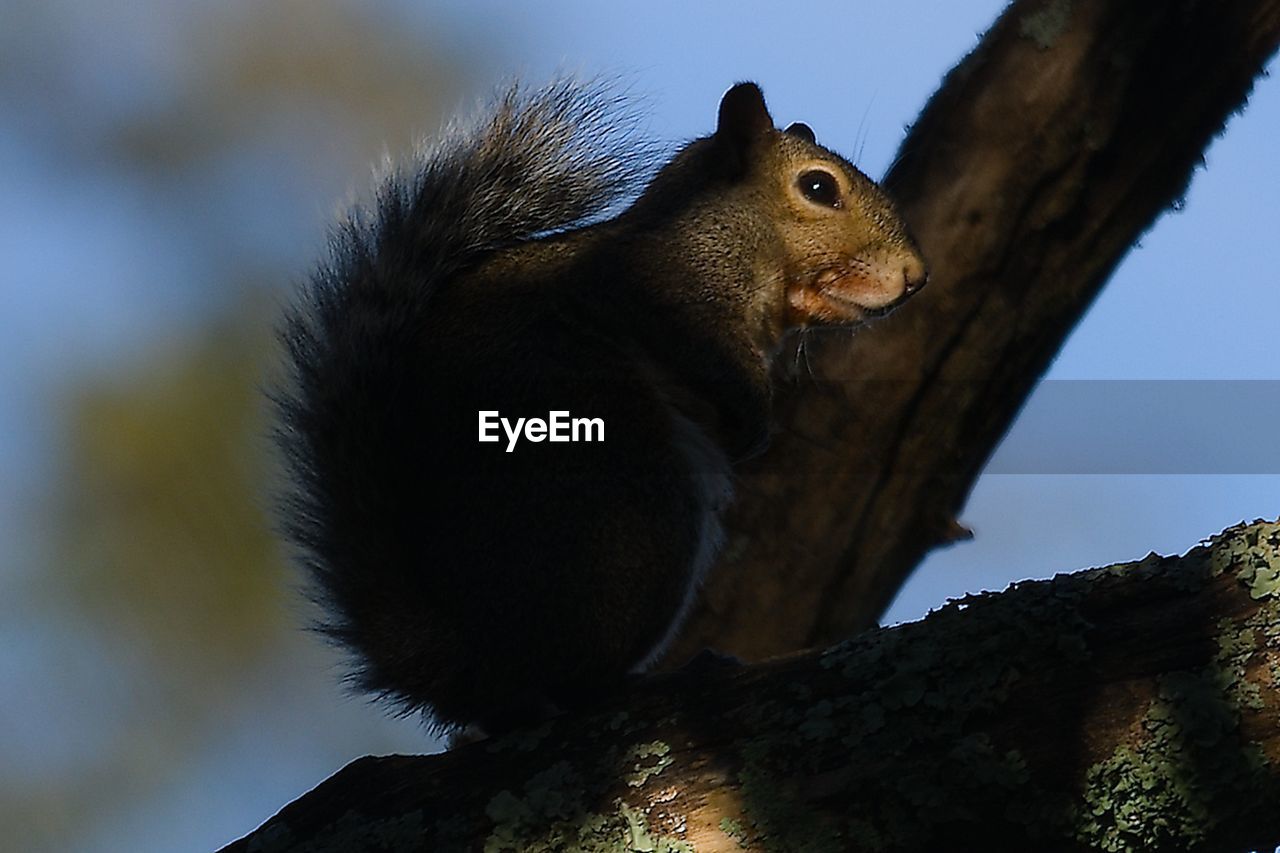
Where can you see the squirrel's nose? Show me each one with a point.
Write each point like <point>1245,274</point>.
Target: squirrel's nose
<point>915,275</point>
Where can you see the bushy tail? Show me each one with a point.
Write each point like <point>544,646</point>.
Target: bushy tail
<point>538,162</point>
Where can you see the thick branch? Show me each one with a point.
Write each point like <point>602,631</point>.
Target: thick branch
<point>1043,157</point>
<point>1131,707</point>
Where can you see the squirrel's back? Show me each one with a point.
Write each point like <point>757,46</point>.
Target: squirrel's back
<point>494,581</point>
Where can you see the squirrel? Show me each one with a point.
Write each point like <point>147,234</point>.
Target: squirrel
<point>490,585</point>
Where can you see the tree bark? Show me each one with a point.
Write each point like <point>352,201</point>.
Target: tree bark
<point>1133,707</point>
<point>1044,156</point>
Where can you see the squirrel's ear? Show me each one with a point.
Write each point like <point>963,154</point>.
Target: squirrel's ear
<point>743,120</point>
<point>743,113</point>
<point>801,130</point>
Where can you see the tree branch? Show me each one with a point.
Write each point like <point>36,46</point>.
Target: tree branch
<point>1045,154</point>
<point>1133,707</point>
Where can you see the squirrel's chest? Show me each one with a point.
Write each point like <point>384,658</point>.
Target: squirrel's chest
<point>712,480</point>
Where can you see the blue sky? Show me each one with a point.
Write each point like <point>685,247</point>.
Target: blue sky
<point>100,270</point>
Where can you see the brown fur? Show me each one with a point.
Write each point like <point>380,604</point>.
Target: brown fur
<point>490,587</point>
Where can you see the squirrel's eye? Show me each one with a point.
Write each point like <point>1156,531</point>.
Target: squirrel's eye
<point>820,187</point>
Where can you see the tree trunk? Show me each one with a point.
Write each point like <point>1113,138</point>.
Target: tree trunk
<point>1133,707</point>
<point>1044,156</point>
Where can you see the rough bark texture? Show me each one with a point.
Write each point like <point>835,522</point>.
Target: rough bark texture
<point>1043,157</point>
<point>1135,707</point>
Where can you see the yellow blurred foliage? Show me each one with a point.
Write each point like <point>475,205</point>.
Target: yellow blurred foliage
<point>166,533</point>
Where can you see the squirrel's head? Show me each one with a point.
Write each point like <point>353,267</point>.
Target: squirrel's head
<point>843,252</point>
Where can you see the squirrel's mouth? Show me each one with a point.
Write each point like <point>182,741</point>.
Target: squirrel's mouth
<point>845,296</point>
<point>842,308</point>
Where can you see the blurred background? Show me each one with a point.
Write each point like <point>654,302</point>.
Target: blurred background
<point>167,171</point>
